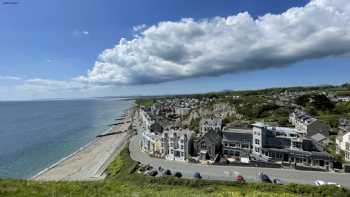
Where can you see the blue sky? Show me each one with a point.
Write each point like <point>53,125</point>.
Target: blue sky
<point>61,39</point>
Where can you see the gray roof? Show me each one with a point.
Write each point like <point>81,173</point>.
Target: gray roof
<point>237,134</point>
<point>318,137</point>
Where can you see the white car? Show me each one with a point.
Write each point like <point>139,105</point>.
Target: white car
<point>319,183</point>
<point>332,183</point>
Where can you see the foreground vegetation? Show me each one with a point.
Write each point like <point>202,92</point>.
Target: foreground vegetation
<point>123,180</point>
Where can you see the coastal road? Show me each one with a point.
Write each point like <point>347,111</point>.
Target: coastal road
<point>214,172</point>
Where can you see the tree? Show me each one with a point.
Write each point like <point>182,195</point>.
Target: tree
<point>302,100</point>
<point>322,102</point>
<point>194,125</point>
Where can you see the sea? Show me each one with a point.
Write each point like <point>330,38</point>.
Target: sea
<point>36,134</point>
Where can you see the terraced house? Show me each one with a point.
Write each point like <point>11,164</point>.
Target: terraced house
<point>308,125</point>
<point>177,143</point>
<point>343,139</point>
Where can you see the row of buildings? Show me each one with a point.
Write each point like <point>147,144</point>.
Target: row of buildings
<point>343,139</point>
<point>299,146</point>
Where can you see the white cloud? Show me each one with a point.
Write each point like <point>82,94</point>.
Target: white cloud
<point>139,27</point>
<point>80,33</point>
<point>9,77</point>
<point>53,85</point>
<point>188,48</point>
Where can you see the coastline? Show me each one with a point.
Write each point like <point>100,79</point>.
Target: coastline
<point>90,161</point>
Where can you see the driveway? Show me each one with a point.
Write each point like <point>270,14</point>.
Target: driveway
<point>213,172</point>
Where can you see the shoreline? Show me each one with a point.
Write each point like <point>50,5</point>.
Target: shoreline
<point>90,161</point>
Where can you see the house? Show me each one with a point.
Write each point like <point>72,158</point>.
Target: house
<point>151,144</point>
<point>146,119</point>
<point>236,143</point>
<point>289,146</point>
<point>344,126</point>
<point>343,144</point>
<point>308,125</point>
<point>343,138</point>
<point>182,111</point>
<point>176,143</point>
<point>343,98</point>
<point>208,145</point>
<point>320,139</point>
<point>210,124</point>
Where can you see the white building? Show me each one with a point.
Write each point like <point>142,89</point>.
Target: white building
<point>343,138</point>
<point>182,111</point>
<point>210,124</point>
<point>146,119</point>
<point>308,125</point>
<point>343,144</point>
<point>176,143</point>
<point>344,98</point>
<point>289,146</point>
<point>150,143</point>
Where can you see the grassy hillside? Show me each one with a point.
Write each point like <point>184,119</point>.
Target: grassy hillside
<point>123,180</point>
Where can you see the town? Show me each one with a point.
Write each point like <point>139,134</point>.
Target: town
<point>212,129</point>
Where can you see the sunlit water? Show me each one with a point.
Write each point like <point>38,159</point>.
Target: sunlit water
<point>36,134</point>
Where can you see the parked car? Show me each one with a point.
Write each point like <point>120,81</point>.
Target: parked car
<point>335,184</point>
<point>167,173</point>
<point>152,173</point>
<point>319,182</point>
<point>240,179</point>
<point>264,178</point>
<point>197,175</point>
<point>178,174</point>
<point>148,167</point>
<point>277,181</point>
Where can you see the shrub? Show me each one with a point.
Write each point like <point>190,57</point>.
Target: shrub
<point>178,174</point>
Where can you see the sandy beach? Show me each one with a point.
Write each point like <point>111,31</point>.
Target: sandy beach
<point>90,161</point>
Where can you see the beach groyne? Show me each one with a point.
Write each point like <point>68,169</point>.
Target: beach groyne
<point>91,160</point>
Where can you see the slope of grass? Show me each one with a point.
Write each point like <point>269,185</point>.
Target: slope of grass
<point>123,180</point>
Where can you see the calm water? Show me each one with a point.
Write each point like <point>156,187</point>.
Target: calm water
<point>36,134</point>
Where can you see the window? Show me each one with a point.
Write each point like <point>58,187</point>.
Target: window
<point>257,141</point>
<point>245,145</point>
<point>257,149</point>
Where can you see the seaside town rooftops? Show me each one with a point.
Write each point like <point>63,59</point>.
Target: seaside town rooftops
<point>304,117</point>
<point>318,137</point>
<point>236,130</point>
<point>212,121</point>
<point>236,134</point>
<point>276,129</point>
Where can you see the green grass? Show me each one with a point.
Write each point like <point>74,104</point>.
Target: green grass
<point>123,180</point>
<point>145,102</point>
